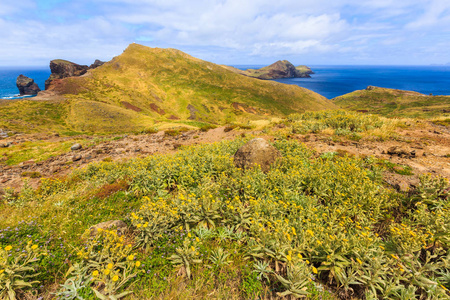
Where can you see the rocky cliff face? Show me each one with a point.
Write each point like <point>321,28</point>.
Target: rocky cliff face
<point>97,63</point>
<point>63,68</point>
<point>27,86</point>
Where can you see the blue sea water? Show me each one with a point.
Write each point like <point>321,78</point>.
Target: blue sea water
<point>8,76</point>
<point>329,81</point>
<point>333,81</point>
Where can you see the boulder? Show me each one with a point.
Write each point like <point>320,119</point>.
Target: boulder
<point>26,85</point>
<point>400,151</point>
<point>119,225</point>
<point>256,152</point>
<point>76,147</point>
<point>77,157</point>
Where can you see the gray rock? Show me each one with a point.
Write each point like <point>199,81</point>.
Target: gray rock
<point>27,86</point>
<point>403,186</point>
<point>119,225</point>
<point>76,157</point>
<point>256,152</point>
<point>76,147</point>
<point>400,151</point>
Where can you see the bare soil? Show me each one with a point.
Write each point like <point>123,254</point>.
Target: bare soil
<point>424,150</point>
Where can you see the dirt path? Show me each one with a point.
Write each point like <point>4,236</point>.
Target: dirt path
<point>425,150</point>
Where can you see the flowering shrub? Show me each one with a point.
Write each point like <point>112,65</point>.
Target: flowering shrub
<point>17,269</point>
<point>108,263</point>
<point>309,224</point>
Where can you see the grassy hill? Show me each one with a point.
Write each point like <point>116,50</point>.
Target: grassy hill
<point>395,103</point>
<point>152,85</point>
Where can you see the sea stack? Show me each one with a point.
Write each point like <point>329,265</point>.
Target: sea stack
<point>27,86</point>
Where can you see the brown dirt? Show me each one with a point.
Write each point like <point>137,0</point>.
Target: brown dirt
<point>128,105</point>
<point>425,150</point>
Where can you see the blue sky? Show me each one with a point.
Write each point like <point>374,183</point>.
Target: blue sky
<point>236,32</point>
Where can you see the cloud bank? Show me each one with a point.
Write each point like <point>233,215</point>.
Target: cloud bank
<point>229,31</point>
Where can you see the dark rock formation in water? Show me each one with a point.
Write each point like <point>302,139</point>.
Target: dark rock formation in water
<point>26,85</point>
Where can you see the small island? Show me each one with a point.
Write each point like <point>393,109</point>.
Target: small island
<point>277,70</point>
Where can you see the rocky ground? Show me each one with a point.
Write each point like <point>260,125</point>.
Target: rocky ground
<point>424,150</point>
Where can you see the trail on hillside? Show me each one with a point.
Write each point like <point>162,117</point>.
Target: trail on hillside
<point>423,150</point>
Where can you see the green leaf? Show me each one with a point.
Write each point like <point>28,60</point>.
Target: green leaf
<point>99,295</point>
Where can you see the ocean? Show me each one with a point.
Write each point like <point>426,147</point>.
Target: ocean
<point>329,81</point>
<point>8,76</point>
<point>333,81</point>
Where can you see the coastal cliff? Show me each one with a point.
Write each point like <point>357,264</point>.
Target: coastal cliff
<point>62,69</point>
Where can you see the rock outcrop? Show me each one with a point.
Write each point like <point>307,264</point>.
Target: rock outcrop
<point>257,152</point>
<point>63,69</point>
<point>97,63</point>
<point>26,85</point>
<point>280,69</point>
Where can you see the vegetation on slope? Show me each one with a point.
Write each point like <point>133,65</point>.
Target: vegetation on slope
<point>395,103</point>
<point>33,116</point>
<point>323,227</point>
<point>147,86</point>
<point>167,84</point>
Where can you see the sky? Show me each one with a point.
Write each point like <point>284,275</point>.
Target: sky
<point>233,32</point>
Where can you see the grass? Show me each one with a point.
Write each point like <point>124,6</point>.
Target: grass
<point>36,151</point>
<point>395,103</point>
<point>173,80</point>
<point>201,228</point>
<point>29,116</point>
<point>337,124</point>
<point>159,87</point>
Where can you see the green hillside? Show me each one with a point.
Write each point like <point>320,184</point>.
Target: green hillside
<point>165,85</point>
<point>395,103</point>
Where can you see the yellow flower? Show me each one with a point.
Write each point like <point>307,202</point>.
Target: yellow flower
<point>110,266</point>
<point>192,248</point>
<point>197,239</point>
<point>1,271</point>
<point>7,248</point>
<point>314,270</point>
<point>130,257</point>
<point>299,256</point>
<point>34,247</point>
<point>359,261</point>
<point>106,271</point>
<point>138,264</point>
<point>115,278</point>
<point>288,257</point>
<point>95,273</point>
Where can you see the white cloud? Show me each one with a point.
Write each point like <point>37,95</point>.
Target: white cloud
<point>84,30</point>
<point>437,13</point>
